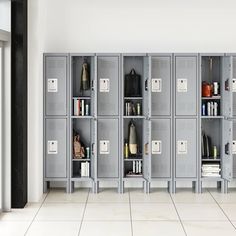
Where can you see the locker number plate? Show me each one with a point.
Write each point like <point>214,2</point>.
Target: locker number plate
<point>104,85</point>
<point>156,147</point>
<point>182,147</point>
<point>104,147</point>
<point>52,85</point>
<point>182,85</point>
<point>234,85</point>
<point>234,147</point>
<point>52,147</point>
<point>156,85</point>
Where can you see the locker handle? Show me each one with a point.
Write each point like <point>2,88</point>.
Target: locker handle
<point>227,88</point>
<point>93,148</point>
<point>227,149</point>
<point>146,85</point>
<point>92,85</point>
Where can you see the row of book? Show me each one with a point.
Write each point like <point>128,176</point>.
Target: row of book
<point>211,170</point>
<point>137,169</point>
<point>81,108</point>
<point>85,169</point>
<point>210,109</point>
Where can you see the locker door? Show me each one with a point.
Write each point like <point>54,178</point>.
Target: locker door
<point>161,148</point>
<point>146,154</point>
<point>55,85</point>
<point>234,86</point>
<point>108,85</point>
<point>186,84</point>
<point>186,148</point>
<point>227,159</point>
<point>161,85</point>
<point>108,148</point>
<point>55,148</point>
<point>234,148</point>
<point>226,75</point>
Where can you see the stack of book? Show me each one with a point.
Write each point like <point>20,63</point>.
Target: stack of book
<point>211,170</point>
<point>85,169</point>
<point>210,109</point>
<point>80,108</point>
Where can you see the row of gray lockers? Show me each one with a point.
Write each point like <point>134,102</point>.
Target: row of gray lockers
<point>169,125</point>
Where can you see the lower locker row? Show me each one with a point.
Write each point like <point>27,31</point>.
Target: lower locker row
<point>174,153</point>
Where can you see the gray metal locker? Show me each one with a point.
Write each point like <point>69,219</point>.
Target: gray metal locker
<point>227,158</point>
<point>108,98</point>
<point>186,148</point>
<point>55,85</point>
<point>186,84</point>
<point>108,148</point>
<point>234,85</point>
<point>161,85</point>
<point>161,148</point>
<point>233,148</point>
<point>55,148</point>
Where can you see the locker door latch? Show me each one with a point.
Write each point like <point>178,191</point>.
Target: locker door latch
<point>156,85</point>
<point>227,151</point>
<point>234,147</point>
<point>52,85</point>
<point>182,147</point>
<point>156,147</point>
<point>52,147</point>
<point>104,146</point>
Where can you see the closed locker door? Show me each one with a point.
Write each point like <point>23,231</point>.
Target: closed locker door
<point>234,148</point>
<point>161,148</point>
<point>186,148</point>
<point>161,85</point>
<point>186,85</point>
<point>234,86</point>
<point>55,85</point>
<point>55,148</point>
<point>108,138</point>
<point>108,85</point>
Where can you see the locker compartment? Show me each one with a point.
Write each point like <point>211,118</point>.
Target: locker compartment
<point>56,85</point>
<point>84,129</point>
<point>216,86</point>
<point>138,102</point>
<point>129,156</point>
<point>161,148</point>
<point>161,85</point>
<point>186,84</point>
<point>108,85</point>
<point>186,148</point>
<point>108,148</point>
<point>56,148</point>
<point>78,89</point>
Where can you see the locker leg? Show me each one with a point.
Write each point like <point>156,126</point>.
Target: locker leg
<point>122,186</point>
<point>144,187</point>
<point>200,187</point>
<point>72,187</point>
<point>148,186</point>
<point>68,186</point>
<point>95,187</point>
<point>195,186</point>
<point>174,187</point>
<point>169,187</point>
<point>45,186</point>
<point>226,186</point>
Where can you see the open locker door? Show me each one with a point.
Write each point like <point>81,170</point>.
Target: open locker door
<point>146,153</point>
<point>227,158</point>
<point>226,86</point>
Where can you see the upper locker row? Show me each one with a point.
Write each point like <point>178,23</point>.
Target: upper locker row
<point>100,125</point>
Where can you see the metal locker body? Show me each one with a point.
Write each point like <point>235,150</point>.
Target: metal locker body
<point>233,149</point>
<point>186,84</point>
<point>186,158</point>
<point>55,85</point>
<point>161,161</point>
<point>56,163</point>
<point>108,156</point>
<point>161,95</point>
<point>108,72</point>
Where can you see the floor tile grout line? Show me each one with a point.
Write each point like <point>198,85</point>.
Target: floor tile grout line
<point>178,215</point>
<point>80,227</point>
<point>37,212</point>
<point>131,220</point>
<point>221,209</point>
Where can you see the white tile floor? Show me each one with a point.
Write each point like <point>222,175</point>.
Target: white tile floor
<point>131,214</point>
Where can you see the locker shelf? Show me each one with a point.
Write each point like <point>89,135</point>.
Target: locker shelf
<point>212,98</point>
<point>81,159</point>
<point>134,117</point>
<point>133,98</point>
<point>133,159</point>
<point>211,160</point>
<point>81,98</point>
<point>82,117</point>
<point>212,117</point>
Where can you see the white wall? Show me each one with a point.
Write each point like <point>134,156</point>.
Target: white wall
<point>116,26</point>
<point>5,15</point>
